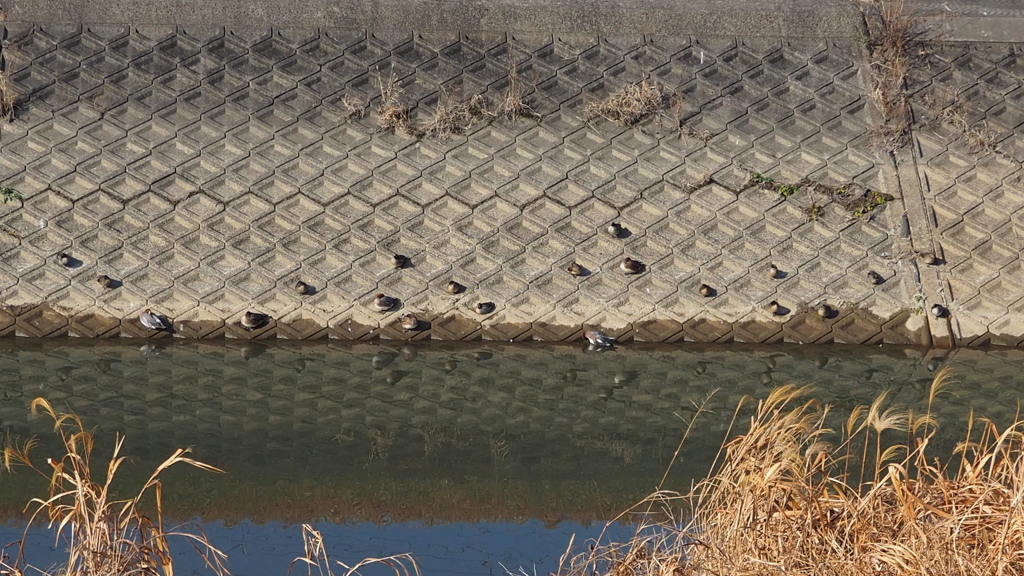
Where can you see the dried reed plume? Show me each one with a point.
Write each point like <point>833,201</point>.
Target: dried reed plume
<point>628,106</point>
<point>104,536</point>
<point>791,496</point>
<point>317,562</point>
<point>393,115</point>
<point>890,35</point>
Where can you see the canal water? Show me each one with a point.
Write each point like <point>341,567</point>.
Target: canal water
<point>477,458</point>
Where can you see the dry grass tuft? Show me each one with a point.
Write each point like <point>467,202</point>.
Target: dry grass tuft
<point>793,496</point>
<point>351,107</point>
<point>104,536</point>
<point>452,118</point>
<point>8,95</point>
<point>513,106</point>
<point>628,106</point>
<point>687,131</point>
<point>393,115</point>
<point>890,34</point>
<point>317,562</point>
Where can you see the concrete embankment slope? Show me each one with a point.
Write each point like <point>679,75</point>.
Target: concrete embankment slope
<point>207,155</point>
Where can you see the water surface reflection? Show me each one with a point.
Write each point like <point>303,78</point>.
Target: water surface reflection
<point>428,433</point>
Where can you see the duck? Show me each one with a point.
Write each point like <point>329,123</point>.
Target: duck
<point>775,308</point>
<point>454,287</point>
<point>705,290</point>
<point>929,259</point>
<point>875,277</point>
<point>772,271</point>
<point>400,261</point>
<point>615,230</point>
<point>382,303</point>
<point>824,310</point>
<point>575,269</point>
<point>630,266</point>
<point>105,281</point>
<point>303,288</point>
<point>484,307</point>
<point>153,321</point>
<point>409,322</point>
<point>938,310</point>
<point>65,259</point>
<point>598,339</point>
<point>253,320</point>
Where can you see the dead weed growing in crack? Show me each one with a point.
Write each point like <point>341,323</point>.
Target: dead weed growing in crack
<point>628,106</point>
<point>394,115</point>
<point>890,33</point>
<point>8,94</point>
<point>513,105</point>
<point>452,117</point>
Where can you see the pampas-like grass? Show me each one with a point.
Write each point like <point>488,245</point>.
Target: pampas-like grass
<point>792,496</point>
<point>104,536</point>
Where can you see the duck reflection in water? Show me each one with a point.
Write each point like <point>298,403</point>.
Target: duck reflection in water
<point>383,359</point>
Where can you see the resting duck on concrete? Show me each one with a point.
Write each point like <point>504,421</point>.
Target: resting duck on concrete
<point>599,339</point>
<point>409,322</point>
<point>303,288</point>
<point>65,259</point>
<point>400,261</point>
<point>382,303</point>
<point>575,269</point>
<point>454,287</point>
<point>484,307</point>
<point>615,230</point>
<point>772,271</point>
<point>875,277</point>
<point>253,320</point>
<point>105,281</point>
<point>152,321</point>
<point>705,290</point>
<point>630,266</point>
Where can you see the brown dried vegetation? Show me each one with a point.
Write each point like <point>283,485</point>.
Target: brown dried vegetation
<point>452,117</point>
<point>792,496</point>
<point>628,106</point>
<point>393,114</point>
<point>513,105</point>
<point>105,536</point>
<point>318,562</point>
<point>8,95</point>
<point>890,33</point>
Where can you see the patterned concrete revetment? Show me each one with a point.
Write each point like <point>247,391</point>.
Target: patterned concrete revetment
<point>207,169</point>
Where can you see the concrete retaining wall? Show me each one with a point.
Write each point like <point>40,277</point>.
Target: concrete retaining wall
<point>209,168</point>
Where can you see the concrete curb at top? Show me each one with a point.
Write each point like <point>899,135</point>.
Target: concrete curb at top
<point>770,18</point>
